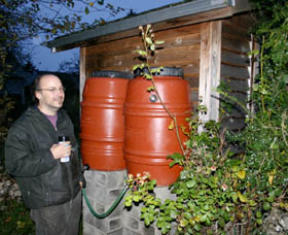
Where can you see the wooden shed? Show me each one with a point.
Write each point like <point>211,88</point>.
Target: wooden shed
<point>209,39</point>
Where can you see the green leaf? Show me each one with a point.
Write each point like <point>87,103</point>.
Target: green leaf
<point>156,70</point>
<point>54,31</point>
<point>136,198</point>
<point>159,42</point>
<point>242,197</point>
<point>183,174</point>
<point>148,76</point>
<point>191,183</point>
<point>203,218</point>
<point>150,88</point>
<point>258,214</point>
<point>173,214</point>
<point>147,220</point>
<point>259,221</point>
<point>149,40</point>
<point>135,67</point>
<point>141,52</point>
<point>253,52</point>
<point>221,222</point>
<point>266,206</point>
<point>148,27</point>
<point>171,125</point>
<point>183,222</point>
<point>197,227</point>
<point>252,203</point>
<point>241,174</point>
<point>87,10</point>
<point>128,202</point>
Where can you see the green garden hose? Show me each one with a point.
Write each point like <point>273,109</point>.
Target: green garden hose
<point>108,212</point>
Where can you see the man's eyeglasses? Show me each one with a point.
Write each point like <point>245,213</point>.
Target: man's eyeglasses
<point>52,89</point>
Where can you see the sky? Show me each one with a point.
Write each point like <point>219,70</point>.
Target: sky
<point>45,60</point>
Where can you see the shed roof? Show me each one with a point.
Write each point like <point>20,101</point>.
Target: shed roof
<point>167,17</point>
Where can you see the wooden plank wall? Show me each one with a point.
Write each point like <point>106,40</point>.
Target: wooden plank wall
<point>181,49</point>
<point>235,66</point>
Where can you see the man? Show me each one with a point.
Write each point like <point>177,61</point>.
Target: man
<point>50,188</point>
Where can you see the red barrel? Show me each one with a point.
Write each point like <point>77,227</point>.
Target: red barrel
<point>148,140</point>
<point>102,120</point>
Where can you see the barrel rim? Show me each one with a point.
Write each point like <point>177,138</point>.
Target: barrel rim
<point>164,71</point>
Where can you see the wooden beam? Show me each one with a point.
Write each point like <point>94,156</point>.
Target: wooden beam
<point>210,61</point>
<point>61,43</point>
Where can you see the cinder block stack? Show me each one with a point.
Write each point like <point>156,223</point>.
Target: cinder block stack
<point>103,187</point>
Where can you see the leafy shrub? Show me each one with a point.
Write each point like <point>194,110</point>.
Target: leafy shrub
<point>219,189</point>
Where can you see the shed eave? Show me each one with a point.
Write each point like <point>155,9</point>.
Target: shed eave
<point>151,17</point>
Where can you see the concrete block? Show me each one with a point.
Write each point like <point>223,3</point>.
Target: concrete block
<point>103,188</point>
<point>97,206</point>
<point>116,179</point>
<point>93,221</point>
<point>149,230</point>
<point>89,229</point>
<point>132,223</point>
<point>89,218</point>
<point>127,231</point>
<point>95,176</point>
<point>164,193</point>
<point>114,193</point>
<point>117,232</point>
<point>115,224</point>
<point>117,212</point>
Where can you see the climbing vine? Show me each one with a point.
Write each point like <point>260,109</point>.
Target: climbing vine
<point>144,69</point>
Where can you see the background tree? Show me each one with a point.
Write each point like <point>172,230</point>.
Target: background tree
<point>70,66</point>
<point>27,19</point>
<point>24,19</point>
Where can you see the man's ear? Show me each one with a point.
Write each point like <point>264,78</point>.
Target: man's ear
<point>37,94</point>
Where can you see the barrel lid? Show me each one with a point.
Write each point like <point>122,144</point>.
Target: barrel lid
<point>111,74</point>
<point>164,71</point>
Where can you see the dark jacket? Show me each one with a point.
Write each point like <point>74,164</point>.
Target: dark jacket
<point>43,180</point>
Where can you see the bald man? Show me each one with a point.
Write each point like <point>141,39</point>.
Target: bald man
<point>47,172</point>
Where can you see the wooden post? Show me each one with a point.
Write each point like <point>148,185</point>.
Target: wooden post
<point>254,63</point>
<point>82,70</point>
<point>210,62</point>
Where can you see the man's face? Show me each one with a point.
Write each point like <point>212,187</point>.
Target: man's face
<point>50,93</point>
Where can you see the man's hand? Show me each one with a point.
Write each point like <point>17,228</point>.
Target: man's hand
<point>61,150</point>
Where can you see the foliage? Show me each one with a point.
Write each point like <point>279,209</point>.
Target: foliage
<point>20,20</point>
<point>15,218</point>
<point>218,189</point>
<point>149,47</point>
<point>209,192</point>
